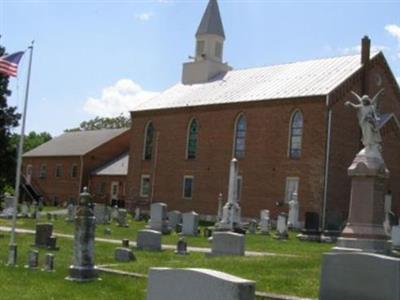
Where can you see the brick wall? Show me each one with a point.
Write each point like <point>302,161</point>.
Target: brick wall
<point>264,168</point>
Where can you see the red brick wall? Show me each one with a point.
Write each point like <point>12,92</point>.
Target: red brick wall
<point>98,196</point>
<point>264,168</point>
<point>63,187</point>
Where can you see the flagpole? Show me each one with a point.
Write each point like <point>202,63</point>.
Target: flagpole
<point>12,255</point>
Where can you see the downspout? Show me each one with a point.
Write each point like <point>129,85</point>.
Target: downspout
<point>153,175</point>
<point>327,155</point>
<point>80,176</point>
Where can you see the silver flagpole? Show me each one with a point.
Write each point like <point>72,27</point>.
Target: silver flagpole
<point>12,254</point>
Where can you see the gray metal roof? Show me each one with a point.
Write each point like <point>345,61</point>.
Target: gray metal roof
<point>211,22</point>
<point>292,80</point>
<point>75,143</point>
<point>116,167</point>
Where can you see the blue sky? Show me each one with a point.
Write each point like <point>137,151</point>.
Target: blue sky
<point>98,57</point>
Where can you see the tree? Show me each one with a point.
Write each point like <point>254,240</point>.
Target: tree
<point>31,140</point>
<point>103,123</point>
<point>8,120</point>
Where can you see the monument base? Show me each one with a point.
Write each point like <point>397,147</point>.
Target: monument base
<point>359,276</point>
<point>83,274</point>
<point>367,245</point>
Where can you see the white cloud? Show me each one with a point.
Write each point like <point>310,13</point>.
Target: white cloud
<point>394,30</point>
<point>122,97</point>
<point>357,49</point>
<point>144,17</point>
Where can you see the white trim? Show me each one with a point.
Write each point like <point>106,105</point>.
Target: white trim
<point>234,135</point>
<point>290,133</point>
<point>145,141</point>
<point>183,186</point>
<point>288,179</point>
<point>187,138</point>
<point>142,177</point>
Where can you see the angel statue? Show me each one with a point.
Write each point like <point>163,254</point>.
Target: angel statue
<point>368,119</point>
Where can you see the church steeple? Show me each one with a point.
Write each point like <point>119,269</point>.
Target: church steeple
<point>208,59</point>
<point>211,22</point>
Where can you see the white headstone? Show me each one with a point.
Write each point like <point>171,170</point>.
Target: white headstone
<point>265,221</point>
<point>8,208</point>
<point>293,221</point>
<point>197,284</point>
<point>137,214</point>
<point>396,237</point>
<point>190,223</point>
<point>158,217</point>
<point>281,226</point>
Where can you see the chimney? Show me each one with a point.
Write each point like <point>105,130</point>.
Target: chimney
<point>365,50</point>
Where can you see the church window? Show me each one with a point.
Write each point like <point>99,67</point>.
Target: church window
<point>148,141</point>
<point>240,137</point>
<point>200,46</point>
<point>192,139</point>
<point>188,187</point>
<point>218,50</point>
<point>291,188</point>
<point>296,134</point>
<point>145,186</point>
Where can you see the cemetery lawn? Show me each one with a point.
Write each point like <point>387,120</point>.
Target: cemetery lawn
<point>297,274</point>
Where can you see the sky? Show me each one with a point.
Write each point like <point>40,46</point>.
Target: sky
<point>98,58</point>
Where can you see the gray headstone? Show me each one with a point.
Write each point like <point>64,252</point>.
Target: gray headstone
<point>174,218</point>
<point>190,223</point>
<point>228,243</point>
<point>114,213</point>
<point>24,210</point>
<point>8,207</point>
<point>138,214</point>
<point>282,226</point>
<point>158,217</point>
<point>124,254</point>
<point>181,247</point>
<point>197,284</point>
<point>265,221</point>
<point>122,215</point>
<point>49,262</point>
<point>33,259</point>
<point>101,213</point>
<point>71,210</point>
<point>148,240</point>
<point>125,243</point>
<point>396,237</point>
<point>43,233</point>
<point>253,226</point>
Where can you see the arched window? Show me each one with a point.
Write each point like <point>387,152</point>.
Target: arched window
<point>148,141</point>
<point>191,146</point>
<point>240,136</point>
<point>296,134</point>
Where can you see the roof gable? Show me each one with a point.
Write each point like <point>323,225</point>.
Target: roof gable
<point>115,167</point>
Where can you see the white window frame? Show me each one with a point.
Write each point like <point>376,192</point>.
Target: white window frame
<point>145,176</point>
<point>287,193</point>
<point>183,186</point>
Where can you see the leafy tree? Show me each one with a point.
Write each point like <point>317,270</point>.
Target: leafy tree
<point>103,123</point>
<point>31,140</point>
<point>8,120</point>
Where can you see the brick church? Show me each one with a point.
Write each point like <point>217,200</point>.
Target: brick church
<point>286,124</point>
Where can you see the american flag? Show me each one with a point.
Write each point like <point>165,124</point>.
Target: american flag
<point>9,63</point>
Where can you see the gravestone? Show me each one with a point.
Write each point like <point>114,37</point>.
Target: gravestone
<point>253,226</point>
<point>388,212</point>
<point>228,243</point>
<point>159,218</point>
<point>8,206</point>
<point>207,232</point>
<point>220,207</point>
<point>114,213</point>
<point>197,284</point>
<point>83,268</point>
<point>24,210</point>
<point>190,223</point>
<point>49,263</point>
<point>333,227</point>
<point>124,254</point>
<point>293,218</point>
<point>122,217</point>
<point>101,213</point>
<point>35,213</point>
<point>148,240</point>
<point>44,236</point>
<point>282,227</point>
<point>265,221</point>
<point>181,247</point>
<point>33,259</point>
<point>138,216</point>
<point>174,218</point>
<point>396,237</point>
<point>231,212</point>
<point>125,243</point>
<point>70,212</point>
<point>311,230</point>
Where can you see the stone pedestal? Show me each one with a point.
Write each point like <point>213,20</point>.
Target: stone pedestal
<point>364,229</point>
<point>83,268</point>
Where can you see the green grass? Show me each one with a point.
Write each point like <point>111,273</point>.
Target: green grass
<point>292,275</point>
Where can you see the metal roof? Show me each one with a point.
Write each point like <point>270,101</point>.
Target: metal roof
<point>292,80</point>
<point>116,167</point>
<point>211,22</point>
<point>75,143</point>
